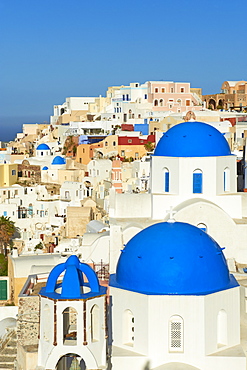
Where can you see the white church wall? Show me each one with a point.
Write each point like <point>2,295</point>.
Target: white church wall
<point>158,165</point>
<point>123,301</point>
<point>191,311</point>
<point>226,182</point>
<point>225,334</point>
<point>187,166</point>
<point>131,206</point>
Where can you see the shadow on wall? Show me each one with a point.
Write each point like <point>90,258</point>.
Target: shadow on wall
<point>147,366</point>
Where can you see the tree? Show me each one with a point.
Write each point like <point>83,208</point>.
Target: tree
<point>149,146</point>
<point>7,230</point>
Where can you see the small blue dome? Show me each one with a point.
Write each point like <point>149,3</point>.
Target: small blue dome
<point>172,258</point>
<point>43,147</point>
<point>45,168</point>
<point>192,139</point>
<point>73,285</point>
<point>58,160</point>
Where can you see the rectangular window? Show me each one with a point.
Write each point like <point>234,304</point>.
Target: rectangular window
<point>187,103</point>
<point>197,183</point>
<point>156,90</point>
<point>167,182</point>
<point>182,90</point>
<point>13,172</point>
<point>163,90</point>
<point>3,290</point>
<point>176,334</point>
<point>122,153</point>
<point>5,213</point>
<point>145,96</point>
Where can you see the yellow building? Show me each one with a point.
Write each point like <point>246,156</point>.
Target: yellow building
<point>8,174</point>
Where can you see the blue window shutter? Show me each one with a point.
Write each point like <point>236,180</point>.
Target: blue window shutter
<point>5,213</point>
<point>197,182</point>
<point>167,182</point>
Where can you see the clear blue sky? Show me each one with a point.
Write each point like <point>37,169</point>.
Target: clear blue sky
<point>53,49</point>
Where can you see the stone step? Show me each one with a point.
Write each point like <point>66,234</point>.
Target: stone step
<point>7,358</point>
<point>12,343</point>
<point>9,351</point>
<point>6,366</point>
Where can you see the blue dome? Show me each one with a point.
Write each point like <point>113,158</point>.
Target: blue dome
<point>73,285</point>
<point>43,147</point>
<point>172,258</point>
<point>58,160</point>
<point>192,139</point>
<point>45,168</point>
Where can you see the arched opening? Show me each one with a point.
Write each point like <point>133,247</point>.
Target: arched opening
<point>166,177</point>
<point>156,103</point>
<point>87,189</point>
<point>69,326</point>
<point>130,113</point>
<point>71,361</point>
<point>7,324</point>
<point>197,181</point>
<point>226,179</point>
<point>47,321</point>
<point>221,328</point>
<point>95,323</point>
<point>176,334</point>
<point>179,101</point>
<point>202,226</point>
<point>221,104</point>
<point>161,102</point>
<point>212,104</point>
<point>128,328</point>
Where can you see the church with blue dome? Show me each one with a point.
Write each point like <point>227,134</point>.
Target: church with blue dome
<point>173,295</point>
<point>172,304</point>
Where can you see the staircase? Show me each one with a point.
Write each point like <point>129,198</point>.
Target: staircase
<point>8,350</point>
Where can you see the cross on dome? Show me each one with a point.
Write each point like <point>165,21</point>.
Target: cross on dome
<point>171,213</point>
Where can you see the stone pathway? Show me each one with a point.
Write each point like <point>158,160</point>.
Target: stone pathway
<point>8,352</point>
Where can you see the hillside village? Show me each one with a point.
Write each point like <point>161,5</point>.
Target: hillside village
<point>91,195</point>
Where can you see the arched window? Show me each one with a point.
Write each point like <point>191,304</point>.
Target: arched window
<point>197,181</point>
<point>69,326</point>
<point>128,328</point>
<point>161,102</point>
<point>176,334</point>
<point>47,323</point>
<point>95,325</point>
<point>226,179</point>
<point>156,103</point>
<point>166,177</point>
<point>202,227</point>
<point>222,328</point>
<point>179,101</point>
